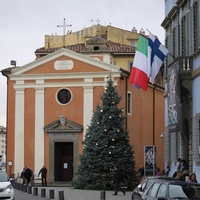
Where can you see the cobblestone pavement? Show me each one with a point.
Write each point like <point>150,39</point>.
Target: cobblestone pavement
<point>70,193</point>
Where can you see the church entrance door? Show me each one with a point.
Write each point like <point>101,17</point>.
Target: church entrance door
<point>63,161</point>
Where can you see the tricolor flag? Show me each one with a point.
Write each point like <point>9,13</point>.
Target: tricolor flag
<point>156,56</point>
<point>149,56</point>
<point>139,72</point>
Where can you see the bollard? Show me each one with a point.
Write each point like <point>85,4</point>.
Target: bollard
<point>21,187</point>
<point>51,194</point>
<point>43,192</point>
<point>25,187</point>
<point>18,186</point>
<point>61,195</point>
<point>35,191</point>
<point>29,189</point>
<point>15,185</point>
<point>103,195</point>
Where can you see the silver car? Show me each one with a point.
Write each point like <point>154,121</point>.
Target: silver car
<point>6,189</point>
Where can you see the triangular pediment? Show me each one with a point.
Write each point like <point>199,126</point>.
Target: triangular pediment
<point>44,64</point>
<point>65,126</point>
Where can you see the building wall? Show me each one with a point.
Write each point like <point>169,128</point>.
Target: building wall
<point>107,32</point>
<point>182,39</point>
<point>32,105</point>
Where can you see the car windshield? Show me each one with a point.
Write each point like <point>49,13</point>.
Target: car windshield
<point>189,191</point>
<point>3,177</point>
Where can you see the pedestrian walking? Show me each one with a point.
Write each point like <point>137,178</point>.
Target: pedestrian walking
<point>117,180</point>
<point>43,172</point>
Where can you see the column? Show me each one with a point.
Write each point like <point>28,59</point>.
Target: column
<point>19,130</point>
<point>39,125</point>
<point>88,105</point>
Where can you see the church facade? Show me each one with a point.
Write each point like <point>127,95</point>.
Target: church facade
<point>50,102</point>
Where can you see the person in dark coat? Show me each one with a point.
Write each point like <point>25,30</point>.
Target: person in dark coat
<point>43,173</point>
<point>22,176</point>
<point>117,180</point>
<point>140,171</point>
<point>27,174</point>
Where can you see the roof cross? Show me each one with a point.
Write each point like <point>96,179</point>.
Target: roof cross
<point>64,26</point>
<point>98,20</point>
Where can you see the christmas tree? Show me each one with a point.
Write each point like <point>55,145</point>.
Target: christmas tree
<point>106,144</point>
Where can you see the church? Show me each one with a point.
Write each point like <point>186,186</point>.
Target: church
<point>50,102</point>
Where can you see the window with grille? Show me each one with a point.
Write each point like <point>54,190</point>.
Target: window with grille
<point>183,36</point>
<point>195,27</point>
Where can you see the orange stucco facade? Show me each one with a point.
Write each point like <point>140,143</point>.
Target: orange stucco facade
<point>34,129</point>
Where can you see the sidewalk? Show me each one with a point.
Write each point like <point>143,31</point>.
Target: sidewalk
<point>74,194</point>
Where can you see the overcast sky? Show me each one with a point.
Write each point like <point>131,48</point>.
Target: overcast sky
<point>24,23</point>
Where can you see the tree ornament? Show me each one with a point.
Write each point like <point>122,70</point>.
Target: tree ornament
<point>105,129</point>
<point>96,144</point>
<point>122,110</point>
<point>87,127</point>
<point>120,116</point>
<point>101,110</point>
<point>97,122</point>
<point>113,139</point>
<point>110,152</point>
<point>105,88</point>
<point>113,102</point>
<point>110,117</point>
<point>118,130</point>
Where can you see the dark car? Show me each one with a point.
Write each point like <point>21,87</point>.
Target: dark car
<point>145,183</point>
<point>165,190</point>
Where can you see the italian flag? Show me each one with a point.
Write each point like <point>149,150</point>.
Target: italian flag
<point>139,72</point>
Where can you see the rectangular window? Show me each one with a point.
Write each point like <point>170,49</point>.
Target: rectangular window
<point>132,43</point>
<point>129,103</point>
<point>130,65</point>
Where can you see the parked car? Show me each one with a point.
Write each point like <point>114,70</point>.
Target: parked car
<point>166,190</point>
<point>6,189</point>
<point>145,183</point>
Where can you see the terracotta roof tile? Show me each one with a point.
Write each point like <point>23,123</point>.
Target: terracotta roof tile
<point>113,46</point>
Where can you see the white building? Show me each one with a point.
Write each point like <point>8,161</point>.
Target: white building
<point>182,73</point>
